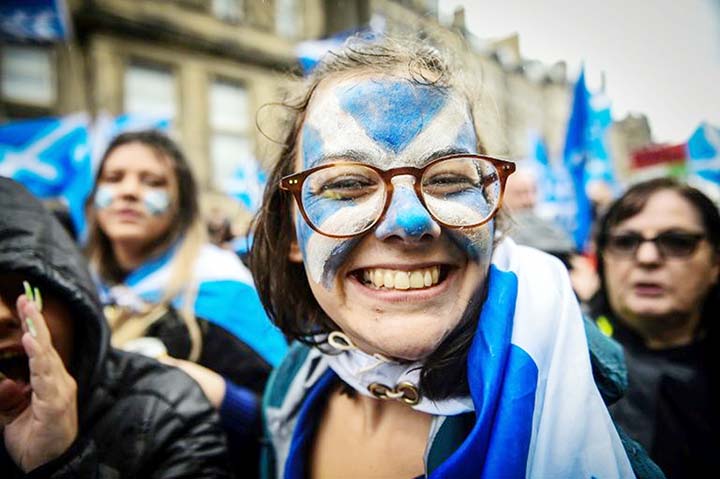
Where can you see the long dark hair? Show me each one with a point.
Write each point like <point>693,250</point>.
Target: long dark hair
<point>187,211</point>
<point>282,284</point>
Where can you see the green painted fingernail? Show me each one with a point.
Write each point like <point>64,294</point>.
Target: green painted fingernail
<point>28,290</point>
<point>38,300</point>
<point>31,327</point>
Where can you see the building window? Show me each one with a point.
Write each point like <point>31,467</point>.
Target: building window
<point>228,10</point>
<point>288,18</point>
<point>150,90</point>
<point>28,75</point>
<point>231,145</point>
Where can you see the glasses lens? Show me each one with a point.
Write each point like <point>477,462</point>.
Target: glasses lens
<point>624,244</point>
<point>343,200</point>
<point>678,244</point>
<point>461,191</point>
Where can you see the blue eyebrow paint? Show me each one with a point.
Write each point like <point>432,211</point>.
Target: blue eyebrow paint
<point>392,113</point>
<point>466,138</point>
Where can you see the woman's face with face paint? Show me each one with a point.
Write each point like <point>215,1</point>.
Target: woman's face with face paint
<point>134,195</point>
<point>402,287</point>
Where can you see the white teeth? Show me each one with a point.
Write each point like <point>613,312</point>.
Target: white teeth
<point>399,279</point>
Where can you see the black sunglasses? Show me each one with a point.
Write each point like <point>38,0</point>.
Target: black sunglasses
<point>670,244</point>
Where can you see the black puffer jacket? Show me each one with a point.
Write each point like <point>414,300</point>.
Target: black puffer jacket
<point>137,417</point>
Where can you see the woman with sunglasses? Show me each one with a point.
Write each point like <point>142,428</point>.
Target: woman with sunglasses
<point>659,260</point>
<point>426,343</point>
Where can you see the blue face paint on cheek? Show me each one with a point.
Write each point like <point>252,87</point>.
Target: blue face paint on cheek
<point>103,197</point>
<point>393,113</point>
<point>156,201</point>
<point>476,242</point>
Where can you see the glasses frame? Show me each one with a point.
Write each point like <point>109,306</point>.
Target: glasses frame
<point>293,183</point>
<point>696,237</point>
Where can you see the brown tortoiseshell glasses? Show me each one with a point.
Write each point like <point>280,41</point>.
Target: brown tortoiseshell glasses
<point>345,199</point>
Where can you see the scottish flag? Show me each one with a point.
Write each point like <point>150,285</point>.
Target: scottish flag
<point>537,412</point>
<point>575,157</point>
<point>600,167</point>
<point>50,156</point>
<point>225,296</point>
<point>247,184</point>
<point>704,153</point>
<point>35,20</point>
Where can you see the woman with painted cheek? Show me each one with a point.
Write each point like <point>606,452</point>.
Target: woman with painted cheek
<point>167,292</point>
<point>427,344</point>
<point>659,264</point>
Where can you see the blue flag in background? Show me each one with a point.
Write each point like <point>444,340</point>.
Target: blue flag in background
<point>56,158</point>
<point>575,156</point>
<point>599,167</point>
<point>704,153</point>
<point>35,20</point>
<point>51,157</point>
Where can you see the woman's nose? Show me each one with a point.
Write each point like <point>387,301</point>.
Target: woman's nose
<point>648,253</point>
<point>406,217</point>
<point>128,186</point>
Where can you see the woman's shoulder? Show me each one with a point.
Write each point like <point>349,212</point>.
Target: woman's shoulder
<point>217,264</point>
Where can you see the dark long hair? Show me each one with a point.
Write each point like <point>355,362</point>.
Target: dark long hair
<point>282,284</point>
<point>187,212</point>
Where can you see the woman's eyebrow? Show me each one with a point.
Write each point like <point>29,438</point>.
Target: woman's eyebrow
<point>347,155</point>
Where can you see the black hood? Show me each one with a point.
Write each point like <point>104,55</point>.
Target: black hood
<point>34,245</point>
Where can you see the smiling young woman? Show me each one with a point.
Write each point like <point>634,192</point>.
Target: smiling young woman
<point>428,344</point>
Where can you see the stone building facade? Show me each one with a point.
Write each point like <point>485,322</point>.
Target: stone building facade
<point>210,65</point>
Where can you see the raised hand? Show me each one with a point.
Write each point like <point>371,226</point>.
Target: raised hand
<point>48,425</point>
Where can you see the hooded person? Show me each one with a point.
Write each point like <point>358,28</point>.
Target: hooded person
<point>70,404</point>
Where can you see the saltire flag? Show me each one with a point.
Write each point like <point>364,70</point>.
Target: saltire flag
<point>599,167</point>
<point>537,410</point>
<point>247,184</point>
<point>225,295</point>
<point>556,194</point>
<point>51,157</point>
<point>34,20</point>
<point>703,153</point>
<point>575,159</point>
<point>56,158</point>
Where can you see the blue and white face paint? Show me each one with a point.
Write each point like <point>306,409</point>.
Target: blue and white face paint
<point>156,201</point>
<point>387,122</point>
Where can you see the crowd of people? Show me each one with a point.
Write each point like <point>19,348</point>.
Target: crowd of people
<point>404,312</point>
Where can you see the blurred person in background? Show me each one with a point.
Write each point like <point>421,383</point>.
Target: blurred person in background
<point>659,260</point>
<point>70,404</point>
<point>529,229</point>
<point>167,290</point>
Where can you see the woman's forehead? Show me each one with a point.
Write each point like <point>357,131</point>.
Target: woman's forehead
<point>385,118</point>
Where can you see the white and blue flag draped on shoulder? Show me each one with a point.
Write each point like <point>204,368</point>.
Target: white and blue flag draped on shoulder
<point>34,20</point>
<point>538,412</point>
<point>225,296</point>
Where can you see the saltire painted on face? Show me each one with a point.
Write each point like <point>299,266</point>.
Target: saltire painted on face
<point>406,217</point>
<point>156,201</point>
<point>393,113</point>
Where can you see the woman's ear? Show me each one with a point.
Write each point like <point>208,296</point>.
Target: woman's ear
<point>295,254</point>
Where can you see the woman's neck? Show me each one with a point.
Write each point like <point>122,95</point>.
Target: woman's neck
<point>129,255</point>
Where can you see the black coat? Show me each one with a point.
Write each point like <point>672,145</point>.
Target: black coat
<point>137,418</point>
